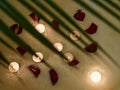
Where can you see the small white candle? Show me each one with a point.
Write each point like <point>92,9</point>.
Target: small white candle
<point>95,76</point>
<point>37,58</point>
<point>58,46</point>
<point>69,56</point>
<point>13,67</point>
<point>74,35</point>
<point>40,28</point>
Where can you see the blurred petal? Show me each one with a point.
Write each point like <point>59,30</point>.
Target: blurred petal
<point>16,28</point>
<point>55,23</point>
<point>34,17</point>
<point>74,62</point>
<point>91,48</point>
<point>13,27</point>
<point>19,29</point>
<point>35,70</point>
<point>92,29</point>
<point>21,50</point>
<point>79,15</point>
<point>53,76</point>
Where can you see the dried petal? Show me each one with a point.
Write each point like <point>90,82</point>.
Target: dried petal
<point>92,29</point>
<point>16,28</point>
<point>55,23</point>
<point>34,17</point>
<point>21,50</point>
<point>91,48</point>
<point>35,70</point>
<point>74,62</point>
<point>19,29</point>
<point>53,76</point>
<point>79,15</point>
<point>13,27</point>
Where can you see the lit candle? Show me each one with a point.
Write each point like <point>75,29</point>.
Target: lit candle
<point>95,76</point>
<point>13,67</point>
<point>37,58</point>
<point>58,46</point>
<point>40,28</point>
<point>74,35</point>
<point>69,56</point>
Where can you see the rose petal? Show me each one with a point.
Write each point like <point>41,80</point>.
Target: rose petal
<point>21,50</point>
<point>91,48</point>
<point>34,17</point>
<point>53,76</point>
<point>55,23</point>
<point>35,70</point>
<point>74,62</point>
<point>16,28</point>
<point>13,27</point>
<point>79,15</point>
<point>19,29</point>
<point>92,29</point>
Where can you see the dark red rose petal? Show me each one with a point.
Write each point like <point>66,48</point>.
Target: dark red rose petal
<point>74,62</point>
<point>91,48</point>
<point>79,15</point>
<point>34,17</point>
<point>19,29</point>
<point>16,28</point>
<point>92,29</point>
<point>21,50</point>
<point>13,27</point>
<point>35,70</point>
<point>53,76</point>
<point>55,23</point>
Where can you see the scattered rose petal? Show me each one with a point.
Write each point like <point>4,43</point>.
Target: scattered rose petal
<point>13,27</point>
<point>92,29</point>
<point>55,23</point>
<point>91,48</point>
<point>53,76</point>
<point>19,29</point>
<point>21,50</point>
<point>35,70</point>
<point>79,15</point>
<point>16,28</point>
<point>74,62</point>
<point>34,17</point>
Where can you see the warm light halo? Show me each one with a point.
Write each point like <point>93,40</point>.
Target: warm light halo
<point>95,76</point>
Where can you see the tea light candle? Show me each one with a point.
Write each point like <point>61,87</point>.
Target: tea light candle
<point>13,67</point>
<point>95,76</point>
<point>40,28</point>
<point>74,35</point>
<point>37,58</point>
<point>58,46</point>
<point>69,56</point>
